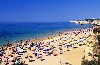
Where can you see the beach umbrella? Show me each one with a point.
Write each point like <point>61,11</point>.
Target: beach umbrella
<point>80,43</point>
<point>68,41</point>
<point>68,44</point>
<point>9,48</point>
<point>55,52</point>
<point>67,49</point>
<point>0,48</point>
<point>10,59</point>
<point>29,55</point>
<point>33,48</point>
<point>23,44</point>
<point>21,50</point>
<point>83,36</point>
<point>1,53</point>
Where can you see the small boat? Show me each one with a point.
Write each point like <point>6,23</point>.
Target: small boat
<point>75,22</point>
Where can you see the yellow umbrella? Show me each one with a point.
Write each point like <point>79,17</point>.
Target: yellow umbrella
<point>33,48</point>
<point>83,36</point>
<point>67,49</point>
<point>0,48</point>
<point>9,48</point>
<point>29,55</point>
<point>68,41</point>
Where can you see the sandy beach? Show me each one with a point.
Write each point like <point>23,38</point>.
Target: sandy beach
<point>64,48</point>
<point>73,57</point>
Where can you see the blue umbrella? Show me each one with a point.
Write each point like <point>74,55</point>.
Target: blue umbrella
<point>0,52</point>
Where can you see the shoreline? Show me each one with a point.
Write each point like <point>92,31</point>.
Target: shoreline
<point>25,35</point>
<point>42,37</point>
<point>58,44</point>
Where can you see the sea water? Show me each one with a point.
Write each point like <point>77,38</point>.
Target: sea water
<point>16,31</point>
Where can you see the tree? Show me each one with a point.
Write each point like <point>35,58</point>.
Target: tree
<point>86,62</point>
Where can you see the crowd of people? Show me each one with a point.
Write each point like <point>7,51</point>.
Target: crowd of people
<point>18,53</point>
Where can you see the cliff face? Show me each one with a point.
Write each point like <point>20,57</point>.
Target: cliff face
<point>96,50</point>
<point>96,22</point>
<point>91,50</point>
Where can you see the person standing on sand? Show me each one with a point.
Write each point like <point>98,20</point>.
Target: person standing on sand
<point>17,50</point>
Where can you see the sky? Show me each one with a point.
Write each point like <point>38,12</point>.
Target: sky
<point>48,10</point>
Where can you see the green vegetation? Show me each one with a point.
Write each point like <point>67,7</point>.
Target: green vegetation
<point>99,59</point>
<point>96,30</point>
<point>90,20</point>
<point>92,62</point>
<point>98,40</point>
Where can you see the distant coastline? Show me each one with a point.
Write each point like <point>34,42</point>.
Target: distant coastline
<point>93,21</point>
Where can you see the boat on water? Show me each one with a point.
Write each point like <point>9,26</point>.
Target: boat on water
<point>75,22</point>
